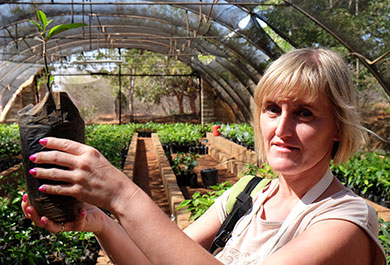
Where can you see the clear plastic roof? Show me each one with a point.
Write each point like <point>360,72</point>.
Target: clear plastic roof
<point>232,32</point>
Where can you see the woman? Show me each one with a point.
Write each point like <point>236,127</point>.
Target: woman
<point>305,115</point>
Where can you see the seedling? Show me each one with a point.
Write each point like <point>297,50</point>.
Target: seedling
<point>45,35</point>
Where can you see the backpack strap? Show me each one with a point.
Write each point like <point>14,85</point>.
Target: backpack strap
<point>240,186</point>
<point>241,204</point>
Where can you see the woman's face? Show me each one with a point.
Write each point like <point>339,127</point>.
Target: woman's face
<point>298,135</point>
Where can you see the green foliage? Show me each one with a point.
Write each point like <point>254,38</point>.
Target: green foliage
<point>384,237</point>
<point>263,171</point>
<point>23,243</point>
<point>282,43</point>
<point>199,203</point>
<point>149,126</point>
<point>42,24</point>
<point>184,163</point>
<point>9,140</point>
<point>110,140</point>
<point>182,133</point>
<point>362,24</point>
<point>241,133</point>
<point>366,173</point>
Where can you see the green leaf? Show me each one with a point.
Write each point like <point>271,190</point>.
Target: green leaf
<point>183,204</point>
<point>51,80</point>
<point>60,28</point>
<point>16,200</point>
<point>37,25</point>
<point>42,17</point>
<point>51,20</point>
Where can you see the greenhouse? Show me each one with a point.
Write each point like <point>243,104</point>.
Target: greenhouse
<point>167,92</point>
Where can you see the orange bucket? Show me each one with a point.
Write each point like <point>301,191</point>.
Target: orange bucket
<point>216,131</point>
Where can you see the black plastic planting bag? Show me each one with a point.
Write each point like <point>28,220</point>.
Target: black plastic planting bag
<point>55,115</point>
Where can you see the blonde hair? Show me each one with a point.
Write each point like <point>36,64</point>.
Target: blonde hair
<point>312,73</point>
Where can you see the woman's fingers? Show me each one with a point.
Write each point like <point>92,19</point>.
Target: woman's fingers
<point>64,145</point>
<point>55,174</point>
<point>59,189</point>
<point>28,210</point>
<point>53,227</point>
<point>67,182</point>
<point>31,213</point>
<point>54,157</point>
<point>85,173</point>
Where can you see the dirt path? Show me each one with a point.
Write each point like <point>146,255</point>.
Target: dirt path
<point>147,174</point>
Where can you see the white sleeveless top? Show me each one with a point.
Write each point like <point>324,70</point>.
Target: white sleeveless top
<point>253,238</point>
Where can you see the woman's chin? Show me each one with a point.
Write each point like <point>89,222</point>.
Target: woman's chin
<point>284,166</point>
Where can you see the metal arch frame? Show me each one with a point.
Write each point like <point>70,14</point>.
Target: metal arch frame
<point>229,89</point>
<point>246,6</point>
<point>86,43</point>
<point>221,93</point>
<point>74,14</point>
<point>225,22</point>
<point>102,40</point>
<point>183,37</point>
<point>209,74</point>
<point>371,67</point>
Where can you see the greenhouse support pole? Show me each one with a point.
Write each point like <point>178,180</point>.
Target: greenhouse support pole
<point>120,89</point>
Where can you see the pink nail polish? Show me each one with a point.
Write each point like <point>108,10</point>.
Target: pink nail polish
<point>28,210</point>
<point>33,171</point>
<point>24,198</point>
<point>43,221</point>
<point>33,157</point>
<point>83,212</point>
<point>42,188</point>
<point>43,141</point>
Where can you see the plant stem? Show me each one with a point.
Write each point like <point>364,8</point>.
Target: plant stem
<point>46,65</point>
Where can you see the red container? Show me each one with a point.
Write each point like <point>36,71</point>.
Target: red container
<point>216,131</point>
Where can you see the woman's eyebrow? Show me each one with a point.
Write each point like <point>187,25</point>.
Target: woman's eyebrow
<point>310,106</point>
<point>268,101</point>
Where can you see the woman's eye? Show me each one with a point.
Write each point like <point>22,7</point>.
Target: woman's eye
<point>272,109</point>
<point>304,114</point>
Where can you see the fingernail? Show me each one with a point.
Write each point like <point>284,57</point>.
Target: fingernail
<point>43,221</point>
<point>28,210</point>
<point>83,212</point>
<point>24,198</point>
<point>33,157</point>
<point>42,188</point>
<point>33,171</point>
<point>43,141</point>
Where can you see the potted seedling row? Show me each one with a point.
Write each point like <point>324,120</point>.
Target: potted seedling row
<point>183,167</point>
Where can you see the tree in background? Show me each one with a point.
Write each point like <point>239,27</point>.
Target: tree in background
<point>362,22</point>
<point>181,86</point>
<point>147,76</point>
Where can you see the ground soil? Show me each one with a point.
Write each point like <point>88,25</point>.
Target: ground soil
<point>147,173</point>
<point>147,176</point>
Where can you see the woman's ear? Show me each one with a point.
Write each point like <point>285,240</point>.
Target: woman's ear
<point>336,136</point>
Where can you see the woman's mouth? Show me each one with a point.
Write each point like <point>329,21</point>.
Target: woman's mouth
<point>283,147</point>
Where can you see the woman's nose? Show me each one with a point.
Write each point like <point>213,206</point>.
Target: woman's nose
<point>284,126</point>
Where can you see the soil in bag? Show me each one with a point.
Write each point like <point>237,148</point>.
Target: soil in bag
<point>55,115</point>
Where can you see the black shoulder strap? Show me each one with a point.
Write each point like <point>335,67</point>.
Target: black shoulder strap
<point>241,206</point>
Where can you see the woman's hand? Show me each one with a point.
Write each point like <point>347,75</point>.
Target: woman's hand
<point>89,175</point>
<point>90,219</point>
